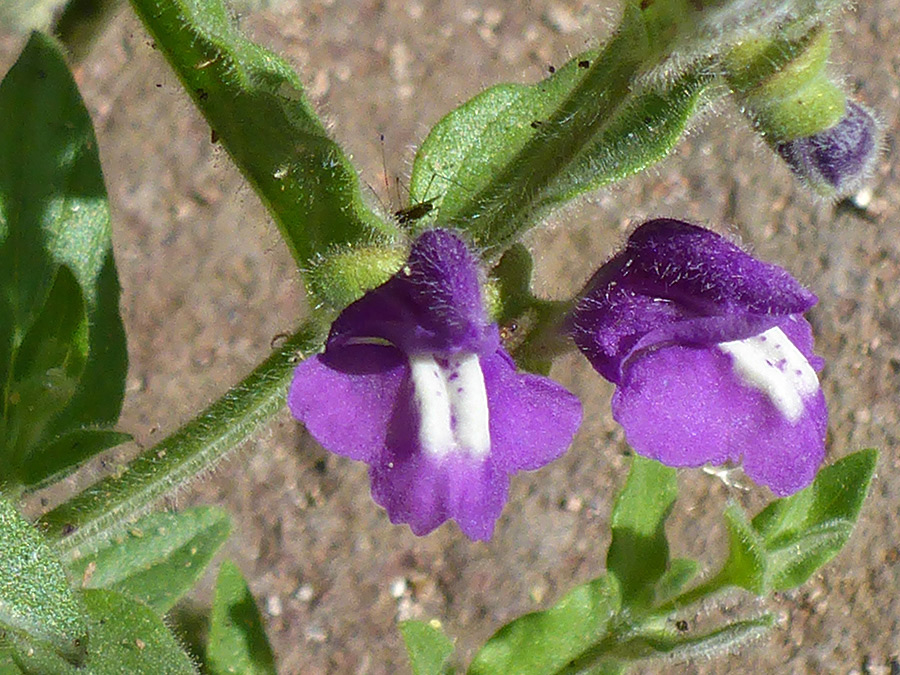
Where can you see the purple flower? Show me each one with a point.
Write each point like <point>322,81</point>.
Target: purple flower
<point>711,357</point>
<point>414,382</point>
<point>835,161</point>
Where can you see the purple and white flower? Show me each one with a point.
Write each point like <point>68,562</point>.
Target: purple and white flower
<point>710,354</point>
<point>414,382</point>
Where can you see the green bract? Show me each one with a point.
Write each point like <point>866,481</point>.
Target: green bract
<point>237,642</point>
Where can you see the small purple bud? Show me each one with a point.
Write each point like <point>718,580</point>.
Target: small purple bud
<point>837,160</point>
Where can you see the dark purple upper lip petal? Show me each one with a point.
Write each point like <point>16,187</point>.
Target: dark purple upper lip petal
<point>840,156</point>
<point>677,283</point>
<point>433,303</point>
<point>703,271</point>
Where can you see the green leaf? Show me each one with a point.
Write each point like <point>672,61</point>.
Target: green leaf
<point>48,364</point>
<point>498,163</point>
<point>680,572</point>
<point>126,637</point>
<point>256,105</point>
<point>36,601</point>
<point>237,641</point>
<point>62,345</point>
<point>746,564</point>
<point>802,532</point>
<point>545,642</point>
<point>159,558</point>
<point>52,462</point>
<point>98,399</point>
<point>7,662</point>
<point>427,646</point>
<point>639,553</point>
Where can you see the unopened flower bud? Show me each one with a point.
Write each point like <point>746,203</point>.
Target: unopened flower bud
<point>782,84</point>
<point>835,161</point>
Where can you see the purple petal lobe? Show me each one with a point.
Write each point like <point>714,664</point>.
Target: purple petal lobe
<point>684,406</point>
<point>347,398</point>
<point>533,419</point>
<point>424,491</point>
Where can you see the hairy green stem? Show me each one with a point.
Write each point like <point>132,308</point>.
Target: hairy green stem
<point>84,522</point>
<point>704,591</point>
<point>256,106</point>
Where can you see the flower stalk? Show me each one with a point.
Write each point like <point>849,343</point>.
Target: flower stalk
<point>85,521</point>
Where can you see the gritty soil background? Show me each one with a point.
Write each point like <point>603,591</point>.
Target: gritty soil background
<point>207,284</point>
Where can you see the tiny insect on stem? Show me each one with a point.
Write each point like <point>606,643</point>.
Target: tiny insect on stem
<point>414,212</point>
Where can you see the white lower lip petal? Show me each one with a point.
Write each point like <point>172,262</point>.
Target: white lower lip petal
<point>451,400</point>
<point>771,363</point>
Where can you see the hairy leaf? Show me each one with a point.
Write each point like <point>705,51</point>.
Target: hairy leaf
<point>427,646</point>
<point>256,105</point>
<point>678,646</point>
<point>36,602</point>
<point>126,637</point>
<point>237,641</point>
<point>746,564</point>
<point>545,642</point>
<point>159,558</point>
<point>804,531</point>
<point>498,163</point>
<point>7,662</point>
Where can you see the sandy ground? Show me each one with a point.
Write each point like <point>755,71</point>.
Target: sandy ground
<point>207,284</point>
